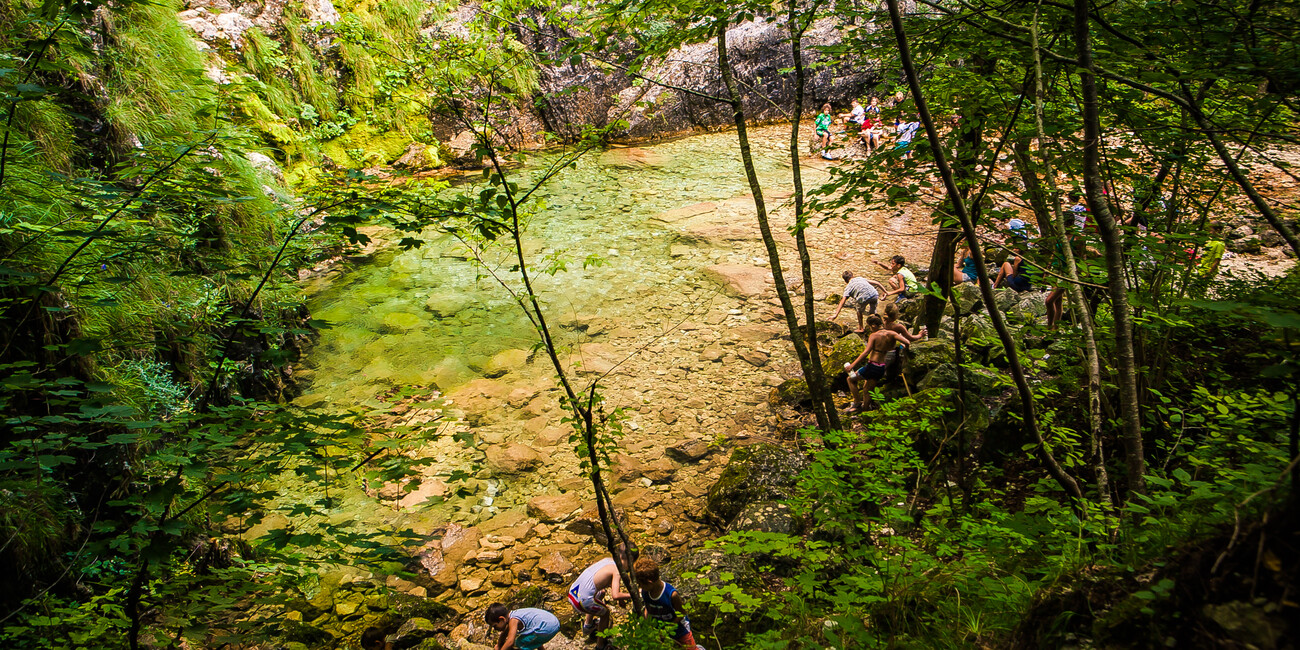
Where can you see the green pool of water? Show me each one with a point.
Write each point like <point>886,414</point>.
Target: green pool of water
<point>431,316</point>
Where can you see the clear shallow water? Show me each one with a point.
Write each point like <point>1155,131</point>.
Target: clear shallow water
<point>431,316</point>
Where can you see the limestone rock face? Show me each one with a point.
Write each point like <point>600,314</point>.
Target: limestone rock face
<point>757,473</point>
<point>554,508</point>
<point>583,94</point>
<point>513,458</point>
<point>739,280</point>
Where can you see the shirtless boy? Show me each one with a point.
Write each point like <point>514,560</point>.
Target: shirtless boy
<point>863,380</point>
<point>587,594</point>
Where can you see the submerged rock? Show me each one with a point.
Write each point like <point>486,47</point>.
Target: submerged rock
<point>554,508</point>
<point>513,458</point>
<point>739,280</point>
<point>505,361</point>
<point>757,473</point>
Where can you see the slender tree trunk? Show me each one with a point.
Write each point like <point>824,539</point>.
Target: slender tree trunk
<point>1234,170</point>
<point>1130,415</point>
<point>787,306</point>
<point>818,387</point>
<point>1058,472</point>
<point>1039,200</point>
<point>1056,226</point>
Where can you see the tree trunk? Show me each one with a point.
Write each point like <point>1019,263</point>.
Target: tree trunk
<point>818,387</point>
<point>787,306</point>
<point>1134,458</point>
<point>1066,481</point>
<point>1056,227</point>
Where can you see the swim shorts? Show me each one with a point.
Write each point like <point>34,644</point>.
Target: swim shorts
<point>872,370</point>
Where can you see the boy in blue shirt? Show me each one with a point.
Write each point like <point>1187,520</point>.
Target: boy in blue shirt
<point>663,602</point>
<point>524,629</point>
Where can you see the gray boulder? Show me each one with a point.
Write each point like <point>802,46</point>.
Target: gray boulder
<point>762,472</point>
<point>710,570</point>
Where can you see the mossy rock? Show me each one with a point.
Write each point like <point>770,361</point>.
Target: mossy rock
<point>1005,298</point>
<point>703,570</point>
<point>765,517</point>
<point>792,393</point>
<point>979,380</point>
<point>829,331</point>
<point>1006,436</point>
<point>846,350</point>
<point>978,417</point>
<point>761,472</point>
<point>968,298</point>
<point>364,145</point>
<point>924,356</point>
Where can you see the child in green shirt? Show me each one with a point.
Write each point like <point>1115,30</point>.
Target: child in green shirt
<point>823,123</point>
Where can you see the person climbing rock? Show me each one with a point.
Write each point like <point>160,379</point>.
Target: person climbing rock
<point>523,629</point>
<point>588,593</point>
<point>663,602</point>
<point>864,379</point>
<point>902,282</point>
<point>864,292</point>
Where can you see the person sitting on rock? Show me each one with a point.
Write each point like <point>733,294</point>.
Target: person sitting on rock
<point>1014,273</point>
<point>663,602</point>
<point>863,381</point>
<point>864,292</point>
<point>963,270</point>
<point>524,629</point>
<point>902,282</point>
<point>587,593</point>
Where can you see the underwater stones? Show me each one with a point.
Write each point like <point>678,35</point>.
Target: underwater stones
<point>685,212</point>
<point>688,451</point>
<point>452,372</point>
<point>554,508</point>
<point>505,361</point>
<point>446,305</point>
<point>402,321</point>
<point>739,280</point>
<point>407,262</point>
<point>429,488</point>
<point>756,358</point>
<point>760,472</point>
<point>513,458</point>
<point>633,158</point>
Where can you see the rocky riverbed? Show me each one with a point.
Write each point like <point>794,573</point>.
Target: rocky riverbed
<point>681,328</point>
